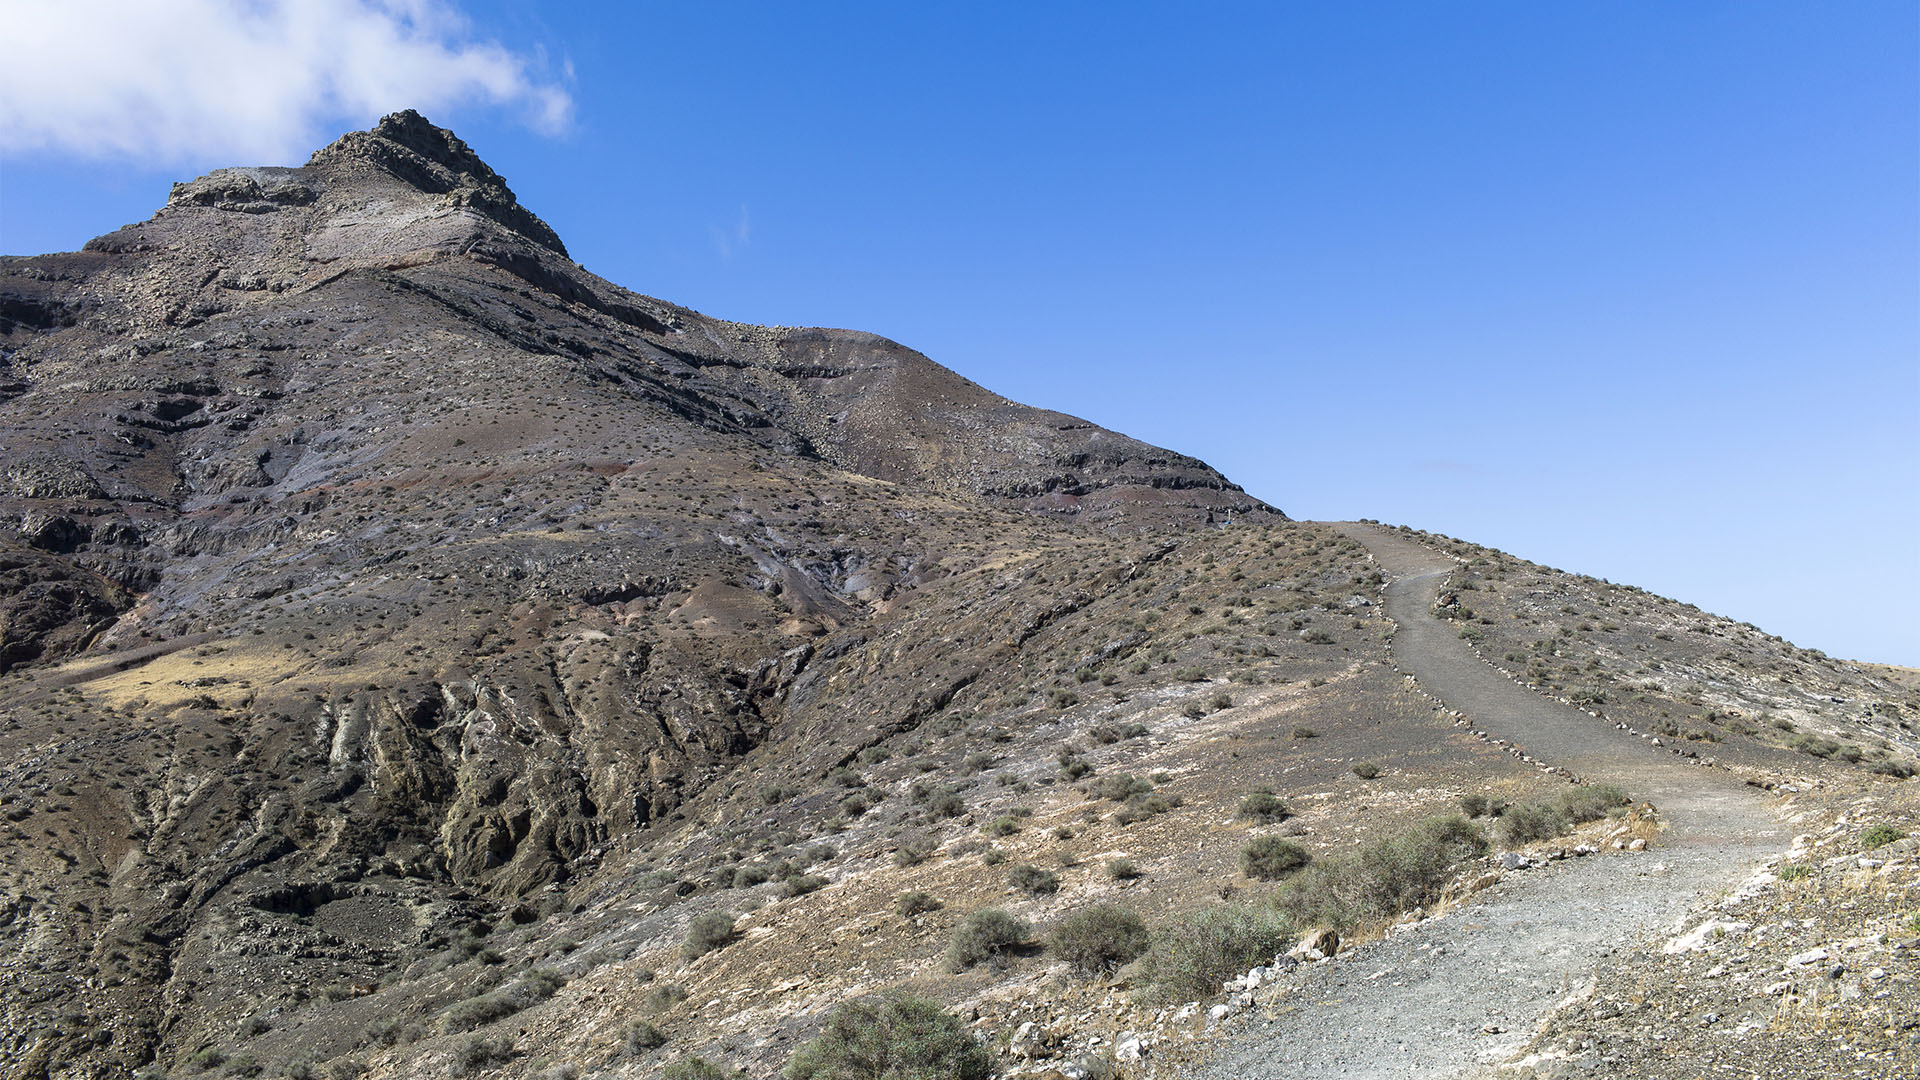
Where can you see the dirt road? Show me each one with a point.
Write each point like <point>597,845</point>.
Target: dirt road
<point>1464,990</point>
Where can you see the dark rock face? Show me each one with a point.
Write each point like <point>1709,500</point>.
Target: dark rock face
<point>397,562</point>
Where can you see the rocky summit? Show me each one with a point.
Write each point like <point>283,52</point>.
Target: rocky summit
<point>422,657</point>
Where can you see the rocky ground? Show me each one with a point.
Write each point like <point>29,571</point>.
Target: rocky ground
<point>1804,968</point>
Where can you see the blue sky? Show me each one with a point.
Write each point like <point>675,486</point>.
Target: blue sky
<point>1629,289</point>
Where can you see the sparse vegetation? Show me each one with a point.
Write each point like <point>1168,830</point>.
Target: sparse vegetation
<point>713,930</point>
<point>1033,880</point>
<point>1878,836</point>
<point>1262,806</point>
<point>1383,878</point>
<point>900,1037</point>
<point>1269,858</point>
<point>1098,939</point>
<point>643,1036</point>
<point>989,935</point>
<point>916,903</point>
<point>1190,958</point>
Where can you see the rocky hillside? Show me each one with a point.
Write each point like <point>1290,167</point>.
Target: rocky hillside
<point>418,655</point>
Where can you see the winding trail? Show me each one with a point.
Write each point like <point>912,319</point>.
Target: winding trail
<point>1463,991</point>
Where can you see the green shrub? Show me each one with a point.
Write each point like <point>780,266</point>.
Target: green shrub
<point>643,1036</point>
<point>1263,806</point>
<point>1530,822</point>
<point>914,849</point>
<point>1142,807</point>
<point>989,935</point>
<point>696,1068</point>
<point>1004,825</point>
<point>1191,957</point>
<point>1121,788</point>
<point>479,1054</point>
<point>663,997</point>
<point>1385,877</point>
<point>895,1038</point>
<point>1033,880</point>
<point>1365,770</point>
<point>801,884</point>
<point>1122,869</point>
<point>916,903</point>
<point>1305,733</point>
<point>1879,836</point>
<point>1475,806</point>
<point>1098,939</point>
<point>1270,858</point>
<point>1591,802</point>
<point>706,933</point>
<point>531,988</point>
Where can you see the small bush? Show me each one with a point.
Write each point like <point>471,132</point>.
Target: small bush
<point>1366,770</point>
<point>1099,939</point>
<point>1305,733</point>
<point>988,936</point>
<point>1004,825</point>
<point>1033,880</point>
<point>1190,958</point>
<point>708,932</point>
<point>895,1038</point>
<point>642,1036</point>
<point>1531,822</point>
<point>1476,806</point>
<point>533,987</point>
<point>1122,869</point>
<point>1121,788</point>
<point>1269,858</point>
<point>1879,836</point>
<point>914,849</point>
<point>1385,877</point>
<point>916,903</point>
<point>478,1054</point>
<point>1591,802</point>
<point>1262,806</point>
<point>663,997</point>
<point>1142,807</point>
<point>696,1068</point>
<point>801,885</point>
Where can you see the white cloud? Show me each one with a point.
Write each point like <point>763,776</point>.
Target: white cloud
<point>728,241</point>
<point>245,81</point>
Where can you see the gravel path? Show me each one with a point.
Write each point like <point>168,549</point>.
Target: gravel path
<point>1458,992</point>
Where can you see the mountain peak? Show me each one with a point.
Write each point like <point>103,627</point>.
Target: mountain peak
<point>435,161</point>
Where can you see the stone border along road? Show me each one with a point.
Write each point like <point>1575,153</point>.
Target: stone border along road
<point>1455,994</point>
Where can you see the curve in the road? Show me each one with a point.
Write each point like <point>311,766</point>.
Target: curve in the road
<point>1465,990</point>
